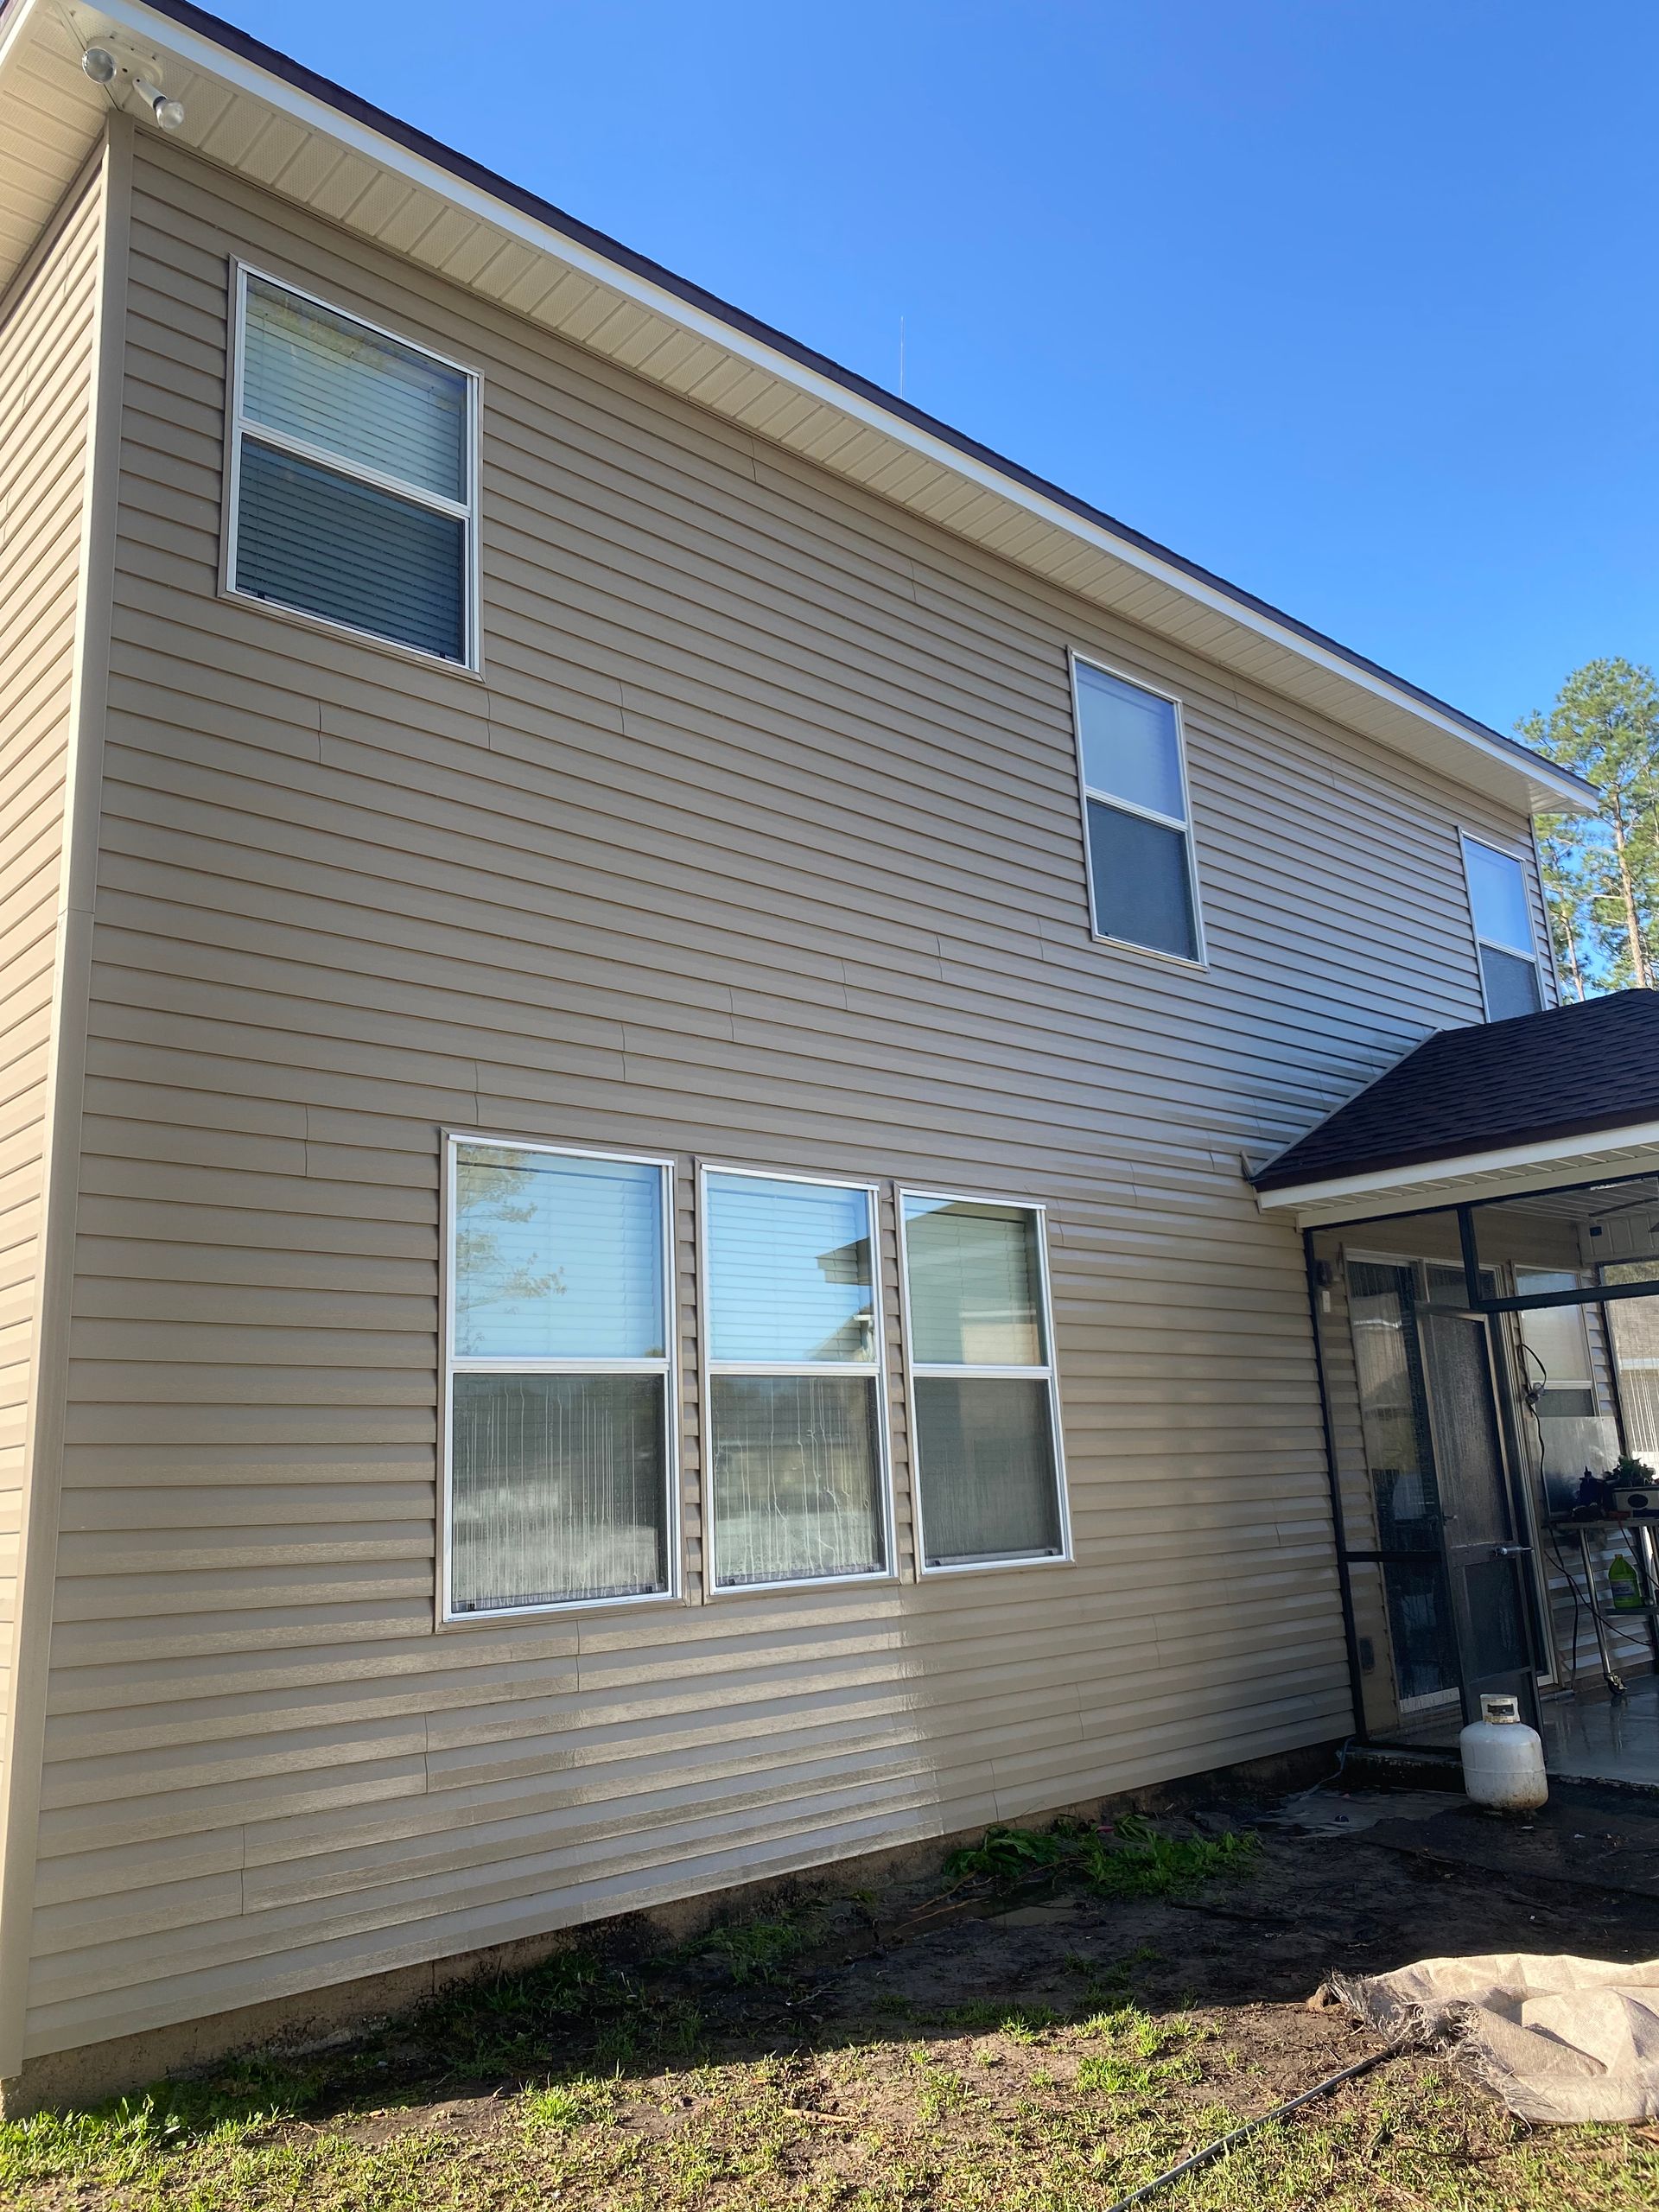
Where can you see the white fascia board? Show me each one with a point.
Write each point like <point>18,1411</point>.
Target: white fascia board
<point>201,53</point>
<point>13,30</point>
<point>1443,1182</point>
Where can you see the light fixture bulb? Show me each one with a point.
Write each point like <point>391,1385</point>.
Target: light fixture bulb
<point>99,64</point>
<point>169,114</point>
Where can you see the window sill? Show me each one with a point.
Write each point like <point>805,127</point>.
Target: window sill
<point>924,1573</point>
<point>1176,960</point>
<point>322,625</point>
<point>564,1609</point>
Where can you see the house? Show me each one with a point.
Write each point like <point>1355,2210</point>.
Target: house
<point>642,990</point>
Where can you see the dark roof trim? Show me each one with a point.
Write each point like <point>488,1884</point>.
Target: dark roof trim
<point>462,166</point>
<point>1588,1070</point>
<point>1273,1178</point>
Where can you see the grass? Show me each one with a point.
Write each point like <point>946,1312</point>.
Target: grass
<point>699,2080</point>
<point>1130,1859</point>
<point>964,2123</point>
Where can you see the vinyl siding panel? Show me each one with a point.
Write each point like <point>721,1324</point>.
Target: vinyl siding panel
<point>758,841</point>
<point>46,347</point>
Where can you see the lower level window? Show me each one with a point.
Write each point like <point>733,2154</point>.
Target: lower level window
<point>796,1436</point>
<point>560,1418</point>
<point>990,1485</point>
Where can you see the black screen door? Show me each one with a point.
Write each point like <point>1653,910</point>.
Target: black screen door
<point>1486,1558</point>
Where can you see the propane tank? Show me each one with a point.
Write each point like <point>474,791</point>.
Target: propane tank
<point>1502,1758</point>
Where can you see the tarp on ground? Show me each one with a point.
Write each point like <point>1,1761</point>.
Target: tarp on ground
<point>1561,2040</point>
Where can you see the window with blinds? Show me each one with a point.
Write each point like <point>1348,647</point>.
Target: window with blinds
<point>1138,836</point>
<point>560,1383</point>
<point>1502,912</point>
<point>352,490</point>
<point>990,1482</point>
<point>797,1430</point>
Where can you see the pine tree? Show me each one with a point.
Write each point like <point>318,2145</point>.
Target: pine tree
<point>1601,872</point>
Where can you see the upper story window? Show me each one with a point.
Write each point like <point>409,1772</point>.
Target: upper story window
<point>987,1430</point>
<point>1503,918</point>
<point>1142,884</point>
<point>353,482</point>
<point>796,1433</point>
<point>561,1412</point>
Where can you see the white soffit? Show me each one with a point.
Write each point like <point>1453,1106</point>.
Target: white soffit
<point>1510,1171</point>
<point>250,120</point>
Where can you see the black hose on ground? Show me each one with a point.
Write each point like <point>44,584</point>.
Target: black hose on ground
<point>1220,2149</point>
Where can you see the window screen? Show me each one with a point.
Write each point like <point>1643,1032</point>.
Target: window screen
<point>987,1415</point>
<point>794,1410</point>
<point>1499,903</point>
<point>352,495</point>
<point>560,1413</point>
<point>1142,884</point>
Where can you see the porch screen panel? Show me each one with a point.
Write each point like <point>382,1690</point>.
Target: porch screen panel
<point>560,1443</point>
<point>796,1437</point>
<point>988,1470</point>
<point>1633,1325</point>
<point>1399,1457</point>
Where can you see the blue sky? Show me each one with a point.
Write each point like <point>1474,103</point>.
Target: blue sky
<point>1353,300</point>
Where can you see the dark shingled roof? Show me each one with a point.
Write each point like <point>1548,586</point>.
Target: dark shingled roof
<point>1570,1073</point>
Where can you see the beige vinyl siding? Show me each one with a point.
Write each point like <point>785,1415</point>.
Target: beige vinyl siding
<point>45,330</point>
<point>759,841</point>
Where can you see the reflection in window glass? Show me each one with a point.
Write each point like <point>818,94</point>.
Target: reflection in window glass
<point>1141,873</point>
<point>796,1445</point>
<point>1497,892</point>
<point>1130,750</point>
<point>559,1442</point>
<point>558,1257</point>
<point>1509,957</point>
<point>987,1438</point>
<point>789,1270</point>
<point>975,1289</point>
<point>351,474</point>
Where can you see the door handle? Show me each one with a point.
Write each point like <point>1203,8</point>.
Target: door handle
<point>1511,1551</point>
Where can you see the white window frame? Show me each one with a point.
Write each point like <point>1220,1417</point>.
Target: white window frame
<point>474,1364</point>
<point>1465,838</point>
<point>464,512</point>
<point>709,1367</point>
<point>917,1370</point>
<point>1087,791</point>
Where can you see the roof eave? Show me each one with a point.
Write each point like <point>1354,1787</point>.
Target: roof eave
<point>1382,704</point>
<point>1545,1162</point>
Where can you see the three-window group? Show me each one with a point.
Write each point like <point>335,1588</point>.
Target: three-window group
<point>566,1399</point>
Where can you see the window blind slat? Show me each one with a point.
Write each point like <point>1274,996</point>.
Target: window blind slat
<point>558,1257</point>
<point>973,1284</point>
<point>332,382</point>
<point>310,539</point>
<point>789,1270</point>
<point>1130,749</point>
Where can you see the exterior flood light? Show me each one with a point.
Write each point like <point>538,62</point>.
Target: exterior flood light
<point>99,64</point>
<point>169,114</point>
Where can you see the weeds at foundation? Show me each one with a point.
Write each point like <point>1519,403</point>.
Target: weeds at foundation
<point>1129,1860</point>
